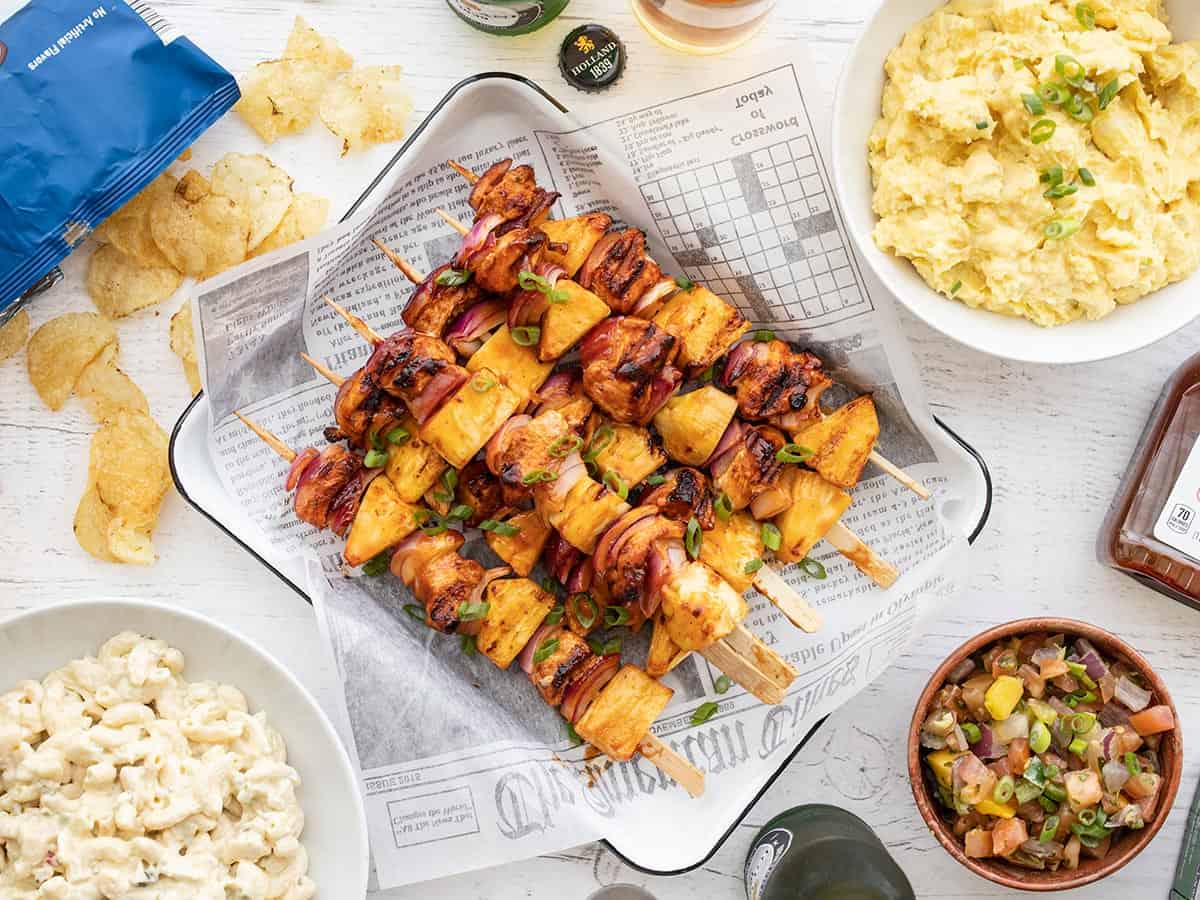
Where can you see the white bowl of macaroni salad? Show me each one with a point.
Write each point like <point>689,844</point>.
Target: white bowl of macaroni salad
<point>148,752</point>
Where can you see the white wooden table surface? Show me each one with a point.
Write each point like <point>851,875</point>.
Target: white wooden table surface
<point>1057,441</point>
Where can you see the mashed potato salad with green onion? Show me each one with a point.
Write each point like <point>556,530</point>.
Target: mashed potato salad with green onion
<point>1041,158</point>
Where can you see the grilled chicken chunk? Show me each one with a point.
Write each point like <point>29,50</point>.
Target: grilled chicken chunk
<point>512,194</point>
<point>579,234</point>
<point>364,412</point>
<point>772,379</point>
<point>685,494</point>
<point>497,263</point>
<point>479,489</point>
<point>745,472</point>
<point>416,368</point>
<point>627,368</point>
<point>563,393</point>
<point>619,271</point>
<point>627,575</point>
<point>439,578</point>
<point>705,325</point>
<point>322,482</point>
<point>433,306</point>
<point>622,713</point>
<point>562,651</point>
<point>522,448</point>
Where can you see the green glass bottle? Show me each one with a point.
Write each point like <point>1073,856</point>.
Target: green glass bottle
<point>507,17</point>
<point>819,852</point>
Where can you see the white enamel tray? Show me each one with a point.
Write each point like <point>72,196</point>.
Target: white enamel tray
<point>656,850</point>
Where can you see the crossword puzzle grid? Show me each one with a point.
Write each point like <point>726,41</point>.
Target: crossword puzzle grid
<point>759,230</point>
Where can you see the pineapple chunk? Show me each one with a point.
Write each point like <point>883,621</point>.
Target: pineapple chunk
<point>664,654</point>
<point>632,454</point>
<point>468,420</point>
<point>699,608</point>
<point>383,520</point>
<point>691,425</point>
<point>413,467</point>
<point>842,441</point>
<point>516,607</point>
<point>623,712</point>
<point>816,507</point>
<point>579,233</point>
<point>518,366</point>
<point>730,546</point>
<point>705,325</point>
<point>521,551</point>
<point>565,324</point>
<point>583,515</point>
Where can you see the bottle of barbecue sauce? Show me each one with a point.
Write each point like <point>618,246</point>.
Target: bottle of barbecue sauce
<point>1152,531</point>
<point>507,17</point>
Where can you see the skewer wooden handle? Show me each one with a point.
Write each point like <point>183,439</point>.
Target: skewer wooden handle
<point>268,438</point>
<point>851,546</point>
<point>799,611</point>
<point>671,763</point>
<point>324,371</point>
<point>462,170</point>
<point>751,664</point>
<point>365,331</point>
<point>452,222</point>
<point>399,262</point>
<point>900,475</point>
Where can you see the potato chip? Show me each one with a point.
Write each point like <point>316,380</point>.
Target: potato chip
<point>257,185</point>
<point>107,390</point>
<point>184,156</point>
<point>92,519</point>
<point>128,229</point>
<point>200,232</point>
<point>128,465</point>
<point>306,43</point>
<point>281,96</point>
<point>120,285</point>
<point>305,217</point>
<point>183,343</point>
<point>366,106</point>
<point>60,350</point>
<point>130,544</point>
<point>13,334</point>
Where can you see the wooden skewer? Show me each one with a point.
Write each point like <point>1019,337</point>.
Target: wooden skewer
<point>788,600</point>
<point>851,546</point>
<point>399,262</point>
<point>672,764</point>
<point>326,373</point>
<point>900,475</point>
<point>451,221</point>
<point>268,438</point>
<point>746,644</point>
<point>462,170</point>
<point>367,333</point>
<point>744,671</point>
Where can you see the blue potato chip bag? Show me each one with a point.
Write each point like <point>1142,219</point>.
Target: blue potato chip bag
<point>97,98</point>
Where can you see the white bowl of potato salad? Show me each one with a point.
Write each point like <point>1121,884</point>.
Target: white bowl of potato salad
<point>148,752</point>
<point>1024,175</point>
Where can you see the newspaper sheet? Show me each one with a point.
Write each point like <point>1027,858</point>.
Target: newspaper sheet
<point>464,766</point>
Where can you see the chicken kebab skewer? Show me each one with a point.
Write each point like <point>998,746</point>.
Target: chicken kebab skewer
<point>772,380</point>
<point>609,705</point>
<point>504,190</point>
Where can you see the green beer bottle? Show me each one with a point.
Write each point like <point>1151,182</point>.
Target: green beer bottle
<point>819,852</point>
<point>507,17</point>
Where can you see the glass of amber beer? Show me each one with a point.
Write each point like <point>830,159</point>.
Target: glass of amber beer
<point>702,26</point>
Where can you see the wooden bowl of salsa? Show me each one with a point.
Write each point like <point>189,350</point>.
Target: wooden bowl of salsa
<point>1045,754</point>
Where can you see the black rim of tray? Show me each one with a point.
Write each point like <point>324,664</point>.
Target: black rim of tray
<point>510,76</point>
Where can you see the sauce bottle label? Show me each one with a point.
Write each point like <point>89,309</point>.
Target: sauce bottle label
<point>764,858</point>
<point>1179,522</point>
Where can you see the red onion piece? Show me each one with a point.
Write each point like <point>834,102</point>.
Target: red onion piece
<point>302,461</point>
<point>526,657</point>
<point>570,472</point>
<point>499,441</point>
<point>1087,654</point>
<point>731,437</point>
<point>581,577</point>
<point>650,301</point>
<point>474,323</point>
<point>527,308</point>
<point>737,362</point>
<point>477,237</point>
<point>1128,815</point>
<point>1115,775</point>
<point>560,557</point>
<point>770,503</point>
<point>960,672</point>
<point>664,385</point>
<point>987,747</point>
<point>596,257</point>
<point>440,388</point>
<point>1129,695</point>
<point>1044,654</point>
<point>1113,714</point>
<point>666,558</point>
<point>559,386</point>
<point>585,688</point>
<point>551,272</point>
<point>344,507</point>
<point>605,546</point>
<point>404,557</point>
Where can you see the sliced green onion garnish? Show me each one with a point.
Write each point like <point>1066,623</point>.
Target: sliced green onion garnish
<point>375,440</point>
<point>565,446</point>
<point>482,383</point>
<point>792,453</point>
<point>453,277</point>
<point>433,526</point>
<point>472,612</point>
<point>1082,723</point>
<point>684,283</point>
<point>1061,190</point>
<point>573,735</point>
<point>1053,93</point>
<point>956,287</point>
<point>752,565</point>
<point>1004,789</point>
<point>615,483</point>
<point>1109,92</point>
<point>600,440</point>
<point>504,529</point>
<point>531,282</point>
<point>704,712</point>
<point>377,564</point>
<point>813,569</point>
<point>461,512</point>
<point>450,479</point>
<point>693,538</point>
<point>723,507</point>
<point>1049,829</point>
<point>1039,737</point>
<point>375,459</point>
<point>545,648</point>
<point>1061,228</point>
<point>526,335</point>
<point>1086,817</point>
<point>555,615</point>
<point>557,296</point>
<point>1078,746</point>
<point>1086,176</point>
<point>973,734</point>
<point>1042,131</point>
<point>416,612</point>
<point>770,535</point>
<point>1079,109</point>
<point>550,586</point>
<point>1034,104</point>
<point>398,436</point>
<point>763,335</point>
<point>706,376</point>
<point>722,684</point>
<point>1071,69</point>
<point>585,619</point>
<point>1132,764</point>
<point>537,476</point>
<point>616,615</point>
<point>1053,176</point>
<point>655,480</point>
<point>983,125</point>
<point>1085,16</point>
<point>467,645</point>
<point>1056,792</point>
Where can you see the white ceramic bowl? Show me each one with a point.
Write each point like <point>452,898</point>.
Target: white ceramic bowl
<point>856,110</point>
<point>335,832</point>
